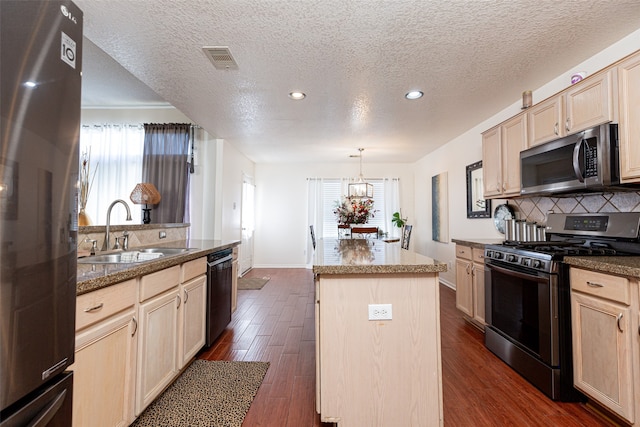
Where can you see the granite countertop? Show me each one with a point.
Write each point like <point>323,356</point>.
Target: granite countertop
<point>622,265</point>
<point>91,277</point>
<point>362,256</point>
<point>478,243</point>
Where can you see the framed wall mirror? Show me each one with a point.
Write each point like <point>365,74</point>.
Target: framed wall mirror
<point>477,205</point>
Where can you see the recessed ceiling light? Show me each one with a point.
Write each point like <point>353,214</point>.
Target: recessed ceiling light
<point>414,94</point>
<point>297,96</point>
<point>30,84</point>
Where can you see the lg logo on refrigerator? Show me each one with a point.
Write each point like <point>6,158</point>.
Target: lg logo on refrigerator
<point>67,13</point>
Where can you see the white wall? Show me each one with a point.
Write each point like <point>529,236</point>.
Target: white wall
<point>281,205</point>
<point>466,149</point>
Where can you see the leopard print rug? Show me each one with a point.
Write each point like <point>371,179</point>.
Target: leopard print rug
<point>207,394</point>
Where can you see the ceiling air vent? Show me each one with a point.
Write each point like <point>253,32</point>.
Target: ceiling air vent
<point>221,57</point>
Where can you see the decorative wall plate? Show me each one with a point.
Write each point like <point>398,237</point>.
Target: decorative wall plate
<point>500,214</point>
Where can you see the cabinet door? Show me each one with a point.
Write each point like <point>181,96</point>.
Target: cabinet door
<point>602,356</point>
<point>629,130</point>
<point>158,347</point>
<point>194,308</point>
<point>514,140</point>
<point>589,103</point>
<point>104,373</point>
<point>464,290</point>
<point>478,292</point>
<point>545,121</point>
<point>234,284</point>
<point>491,164</point>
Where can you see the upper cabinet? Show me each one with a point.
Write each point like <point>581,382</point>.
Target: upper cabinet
<point>582,106</point>
<point>501,147</point>
<point>629,112</point>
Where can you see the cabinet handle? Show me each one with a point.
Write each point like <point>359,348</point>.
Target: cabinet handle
<point>594,285</point>
<point>619,319</point>
<point>186,296</point>
<point>467,268</point>
<point>179,301</point>
<point>94,308</point>
<point>567,125</point>
<point>135,326</point>
<point>473,270</point>
<point>555,128</point>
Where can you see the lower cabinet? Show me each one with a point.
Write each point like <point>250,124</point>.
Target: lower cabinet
<point>133,339</point>
<point>234,280</point>
<point>605,340</point>
<point>158,351</point>
<point>470,283</point>
<point>105,357</point>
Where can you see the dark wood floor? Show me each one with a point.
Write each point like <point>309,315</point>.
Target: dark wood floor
<point>276,324</point>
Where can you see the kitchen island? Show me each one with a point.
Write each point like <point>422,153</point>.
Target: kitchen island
<point>377,334</point>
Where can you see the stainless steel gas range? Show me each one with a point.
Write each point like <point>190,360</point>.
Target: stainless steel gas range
<point>527,294</point>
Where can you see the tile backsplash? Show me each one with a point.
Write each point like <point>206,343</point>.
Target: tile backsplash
<point>535,209</point>
<point>138,235</point>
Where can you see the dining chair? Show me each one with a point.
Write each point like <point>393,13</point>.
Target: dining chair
<point>406,235</point>
<point>313,236</point>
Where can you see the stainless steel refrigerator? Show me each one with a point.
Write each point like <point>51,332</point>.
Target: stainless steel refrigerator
<point>40,75</point>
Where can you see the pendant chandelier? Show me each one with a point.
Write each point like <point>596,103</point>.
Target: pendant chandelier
<point>360,189</point>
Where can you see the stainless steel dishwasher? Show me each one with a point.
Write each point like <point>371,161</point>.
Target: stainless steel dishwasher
<point>218,293</point>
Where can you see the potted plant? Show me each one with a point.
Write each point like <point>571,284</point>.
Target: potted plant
<point>397,219</point>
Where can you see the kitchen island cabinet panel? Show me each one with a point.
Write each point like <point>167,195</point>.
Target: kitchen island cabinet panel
<point>382,372</point>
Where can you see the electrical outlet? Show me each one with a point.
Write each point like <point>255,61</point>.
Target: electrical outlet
<point>380,312</point>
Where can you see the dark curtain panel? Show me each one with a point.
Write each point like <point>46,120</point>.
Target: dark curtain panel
<point>165,165</point>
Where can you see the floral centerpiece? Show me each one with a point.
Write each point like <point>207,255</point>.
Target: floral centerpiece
<point>354,211</point>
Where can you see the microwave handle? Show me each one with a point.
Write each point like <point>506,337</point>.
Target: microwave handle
<point>576,160</point>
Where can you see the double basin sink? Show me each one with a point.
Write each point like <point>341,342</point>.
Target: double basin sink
<point>133,256</point>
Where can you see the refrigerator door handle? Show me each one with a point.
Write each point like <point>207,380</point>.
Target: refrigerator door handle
<point>49,411</point>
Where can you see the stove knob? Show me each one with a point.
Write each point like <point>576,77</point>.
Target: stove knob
<point>538,264</point>
<point>526,262</point>
<point>489,254</point>
<point>498,255</point>
<point>512,258</point>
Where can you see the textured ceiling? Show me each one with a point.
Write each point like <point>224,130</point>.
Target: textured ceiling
<point>355,60</point>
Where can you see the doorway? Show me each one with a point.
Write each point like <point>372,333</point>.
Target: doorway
<point>248,224</point>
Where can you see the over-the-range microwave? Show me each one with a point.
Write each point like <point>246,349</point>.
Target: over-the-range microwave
<point>585,161</point>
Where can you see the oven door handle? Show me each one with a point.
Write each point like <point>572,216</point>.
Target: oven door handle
<point>513,272</point>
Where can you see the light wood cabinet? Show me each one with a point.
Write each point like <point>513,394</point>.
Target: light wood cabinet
<point>579,107</point>
<point>464,286</point>
<point>546,121</point>
<point>194,308</point>
<point>589,102</point>
<point>470,283</point>
<point>105,356</point>
<point>159,318</point>
<point>605,343</point>
<point>629,111</point>
<point>477,274</point>
<point>501,147</point>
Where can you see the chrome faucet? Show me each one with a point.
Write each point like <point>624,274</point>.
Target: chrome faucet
<point>105,246</point>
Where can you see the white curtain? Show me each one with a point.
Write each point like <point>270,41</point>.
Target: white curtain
<point>391,204</point>
<point>116,157</point>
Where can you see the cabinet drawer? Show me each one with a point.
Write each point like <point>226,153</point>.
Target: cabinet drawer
<point>98,305</point>
<point>193,269</point>
<point>602,285</point>
<point>463,252</point>
<point>478,255</point>
<point>156,283</point>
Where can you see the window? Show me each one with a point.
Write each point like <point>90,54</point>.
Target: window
<point>333,192</point>
<point>116,156</point>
